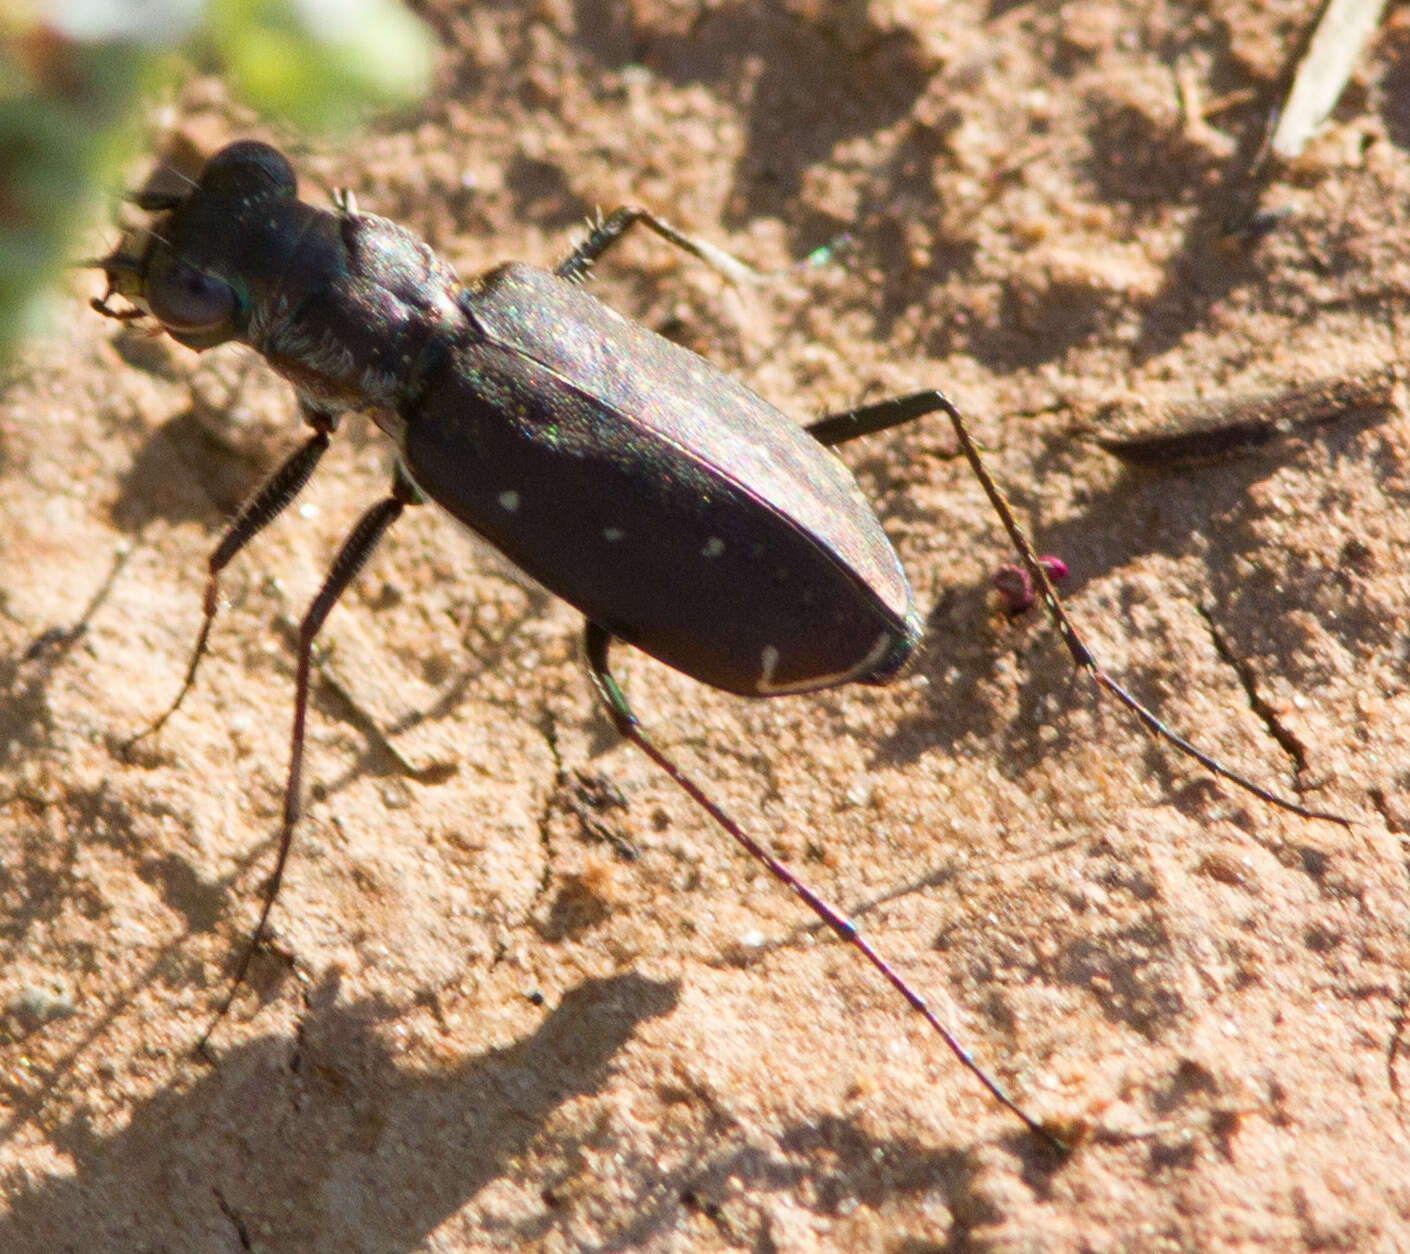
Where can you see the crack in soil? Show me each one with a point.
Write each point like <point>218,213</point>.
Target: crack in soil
<point>1248,680</point>
<point>242,1231</point>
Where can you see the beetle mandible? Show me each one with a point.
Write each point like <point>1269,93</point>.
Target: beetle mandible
<point>676,509</point>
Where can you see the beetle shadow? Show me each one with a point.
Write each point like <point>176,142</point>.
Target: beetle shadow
<point>328,1142</point>
<point>338,1138</point>
<point>827,1167</point>
<point>44,879</point>
<point>26,720</point>
<point>182,474</point>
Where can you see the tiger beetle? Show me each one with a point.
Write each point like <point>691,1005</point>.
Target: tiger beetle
<point>673,507</point>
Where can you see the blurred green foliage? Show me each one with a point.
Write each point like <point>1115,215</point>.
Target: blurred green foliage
<point>74,75</point>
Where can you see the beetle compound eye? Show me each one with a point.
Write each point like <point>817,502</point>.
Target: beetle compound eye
<point>185,299</point>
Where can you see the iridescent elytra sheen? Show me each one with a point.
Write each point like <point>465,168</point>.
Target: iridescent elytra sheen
<point>631,477</point>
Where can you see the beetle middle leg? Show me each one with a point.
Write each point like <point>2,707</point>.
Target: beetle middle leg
<point>577,265</point>
<point>597,642</point>
<point>270,500</point>
<point>357,548</point>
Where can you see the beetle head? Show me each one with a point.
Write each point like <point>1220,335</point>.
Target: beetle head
<point>186,269</point>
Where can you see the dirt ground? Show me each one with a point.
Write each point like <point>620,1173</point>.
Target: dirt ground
<point>522,995</point>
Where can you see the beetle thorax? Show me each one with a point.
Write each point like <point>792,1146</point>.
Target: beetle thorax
<point>356,338</point>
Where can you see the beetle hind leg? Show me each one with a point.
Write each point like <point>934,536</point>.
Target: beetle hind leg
<point>598,641</point>
<point>868,419</point>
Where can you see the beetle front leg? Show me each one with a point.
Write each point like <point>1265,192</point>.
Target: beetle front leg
<point>270,500</point>
<point>357,548</point>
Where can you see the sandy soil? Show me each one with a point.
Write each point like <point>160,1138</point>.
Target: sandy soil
<point>522,995</point>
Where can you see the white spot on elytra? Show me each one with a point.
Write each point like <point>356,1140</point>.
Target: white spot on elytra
<point>769,665</point>
<point>714,546</point>
<point>612,534</point>
<point>509,501</point>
